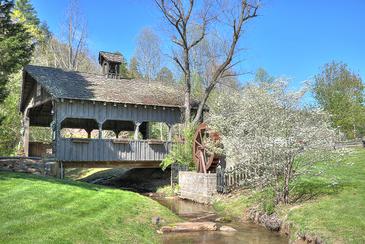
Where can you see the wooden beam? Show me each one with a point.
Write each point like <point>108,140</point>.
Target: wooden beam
<point>118,164</point>
<point>41,102</point>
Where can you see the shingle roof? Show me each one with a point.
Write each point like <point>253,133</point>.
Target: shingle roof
<point>84,86</point>
<point>112,57</point>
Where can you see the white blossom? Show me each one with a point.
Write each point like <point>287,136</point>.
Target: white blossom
<point>266,131</point>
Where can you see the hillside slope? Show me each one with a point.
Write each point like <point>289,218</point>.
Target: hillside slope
<point>44,210</point>
<point>330,206</point>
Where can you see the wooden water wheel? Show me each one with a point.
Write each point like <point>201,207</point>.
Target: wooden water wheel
<point>205,160</point>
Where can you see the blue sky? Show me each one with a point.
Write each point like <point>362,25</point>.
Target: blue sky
<point>291,38</point>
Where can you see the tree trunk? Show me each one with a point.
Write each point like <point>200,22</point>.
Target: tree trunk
<point>285,194</point>
<point>187,91</point>
<point>199,112</point>
<point>187,105</point>
<point>287,178</point>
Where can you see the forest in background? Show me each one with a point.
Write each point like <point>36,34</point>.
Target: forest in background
<point>336,89</point>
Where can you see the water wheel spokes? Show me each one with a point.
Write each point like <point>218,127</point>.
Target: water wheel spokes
<point>204,159</point>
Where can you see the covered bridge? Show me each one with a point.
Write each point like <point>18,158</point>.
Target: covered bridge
<point>59,99</point>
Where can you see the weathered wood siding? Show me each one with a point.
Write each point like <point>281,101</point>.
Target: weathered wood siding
<point>110,111</point>
<point>94,150</point>
<point>39,149</point>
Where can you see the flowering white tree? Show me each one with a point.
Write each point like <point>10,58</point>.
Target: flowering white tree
<point>269,134</point>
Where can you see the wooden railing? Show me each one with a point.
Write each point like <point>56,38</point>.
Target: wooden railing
<point>234,177</point>
<point>69,149</point>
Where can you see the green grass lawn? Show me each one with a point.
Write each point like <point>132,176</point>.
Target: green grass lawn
<point>335,213</point>
<point>339,216</point>
<point>45,210</point>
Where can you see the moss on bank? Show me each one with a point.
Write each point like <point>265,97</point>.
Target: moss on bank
<point>331,206</point>
<point>45,210</point>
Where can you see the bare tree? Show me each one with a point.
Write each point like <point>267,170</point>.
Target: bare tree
<point>179,14</point>
<point>148,53</point>
<point>205,59</point>
<point>75,33</point>
<point>70,51</point>
<point>54,53</point>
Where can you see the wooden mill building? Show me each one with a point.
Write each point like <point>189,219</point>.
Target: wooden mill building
<point>58,99</point>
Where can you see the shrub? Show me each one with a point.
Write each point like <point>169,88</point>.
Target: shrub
<point>181,152</point>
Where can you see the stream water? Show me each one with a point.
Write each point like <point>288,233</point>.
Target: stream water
<point>148,180</point>
<point>246,232</point>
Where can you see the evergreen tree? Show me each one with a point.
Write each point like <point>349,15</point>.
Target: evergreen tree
<point>123,68</point>
<point>15,45</point>
<point>10,118</point>
<point>25,14</point>
<point>165,75</point>
<point>134,69</point>
<point>27,10</point>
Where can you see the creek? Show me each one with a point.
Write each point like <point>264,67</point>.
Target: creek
<point>187,210</point>
<point>146,181</point>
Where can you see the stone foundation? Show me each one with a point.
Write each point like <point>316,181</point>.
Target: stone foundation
<point>36,167</point>
<point>198,187</point>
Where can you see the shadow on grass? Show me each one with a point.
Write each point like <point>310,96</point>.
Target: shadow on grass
<point>105,174</point>
<point>81,173</point>
<point>311,188</point>
<point>139,180</point>
<point>29,177</point>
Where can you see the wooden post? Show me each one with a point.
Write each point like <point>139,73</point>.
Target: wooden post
<point>147,134</point>
<point>62,171</point>
<point>26,135</point>
<point>88,131</point>
<point>161,132</point>
<point>170,132</point>
<point>136,130</point>
<point>100,130</point>
<point>116,70</point>
<point>116,132</point>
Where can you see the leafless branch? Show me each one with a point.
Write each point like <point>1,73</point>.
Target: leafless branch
<point>247,11</point>
<point>176,59</point>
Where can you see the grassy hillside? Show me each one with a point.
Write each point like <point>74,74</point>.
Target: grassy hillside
<point>339,216</point>
<point>335,212</point>
<point>45,210</point>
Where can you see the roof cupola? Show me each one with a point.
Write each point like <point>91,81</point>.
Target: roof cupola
<point>110,63</point>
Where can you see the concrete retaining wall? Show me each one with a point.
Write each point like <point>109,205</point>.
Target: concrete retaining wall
<point>198,187</point>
